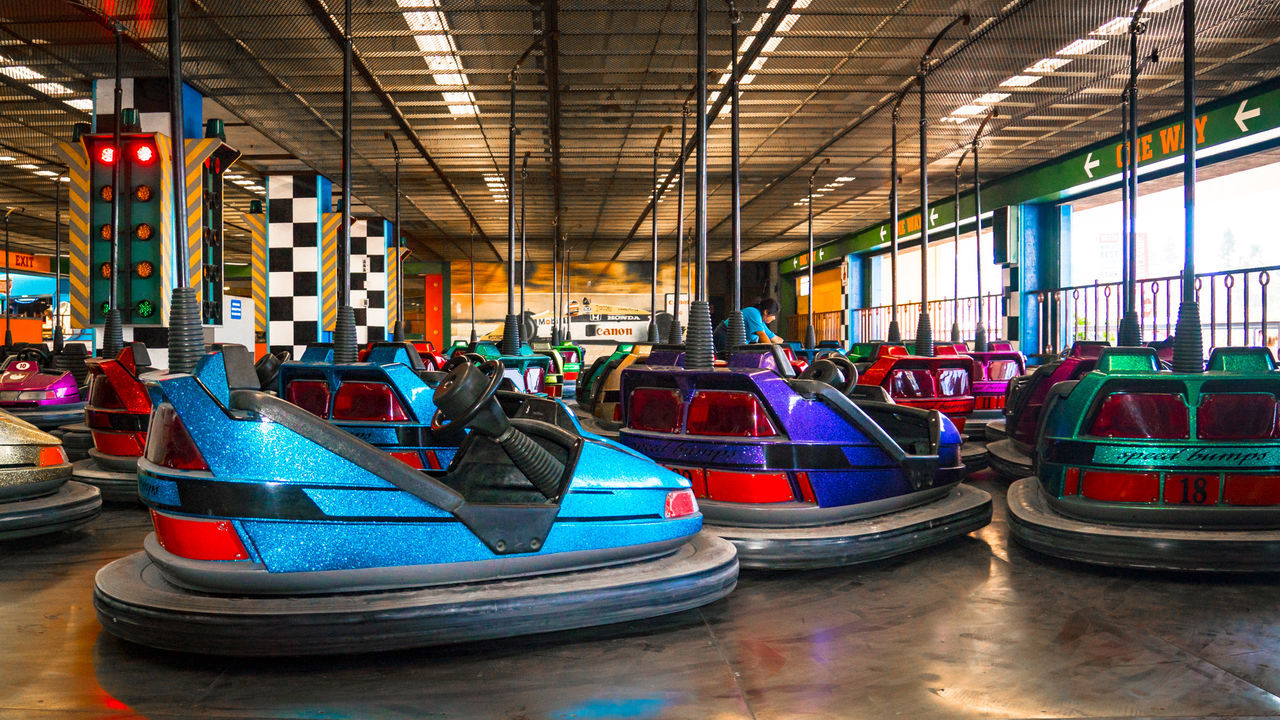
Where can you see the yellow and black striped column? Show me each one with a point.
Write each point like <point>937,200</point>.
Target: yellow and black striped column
<point>197,151</point>
<point>329,270</point>
<point>76,157</point>
<point>393,278</point>
<point>167,236</point>
<point>257,223</point>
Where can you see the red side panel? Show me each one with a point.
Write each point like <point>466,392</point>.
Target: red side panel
<point>433,308</point>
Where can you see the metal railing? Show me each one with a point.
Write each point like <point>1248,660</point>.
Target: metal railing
<point>825,324</point>
<point>873,323</point>
<point>1234,310</point>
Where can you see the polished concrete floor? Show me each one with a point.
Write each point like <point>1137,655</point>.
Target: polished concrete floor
<point>978,628</point>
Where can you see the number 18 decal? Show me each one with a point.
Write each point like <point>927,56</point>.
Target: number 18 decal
<point>1191,489</point>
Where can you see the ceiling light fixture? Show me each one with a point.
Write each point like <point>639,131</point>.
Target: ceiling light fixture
<point>1082,47</point>
<point>1047,65</point>
<point>1115,26</point>
<point>1021,81</point>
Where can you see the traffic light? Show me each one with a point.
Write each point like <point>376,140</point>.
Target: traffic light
<point>141,225</point>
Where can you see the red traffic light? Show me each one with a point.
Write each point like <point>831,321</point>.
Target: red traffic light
<point>107,155</point>
<point>144,153</point>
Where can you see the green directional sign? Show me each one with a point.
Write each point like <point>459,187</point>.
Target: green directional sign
<point>1243,116</point>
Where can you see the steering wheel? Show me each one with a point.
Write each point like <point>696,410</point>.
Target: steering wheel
<point>830,371</point>
<point>463,389</point>
<point>848,369</point>
<point>33,354</point>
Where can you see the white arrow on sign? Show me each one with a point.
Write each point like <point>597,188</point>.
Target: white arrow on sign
<point>1242,115</point>
<point>883,230</point>
<point>1090,164</point>
<point>933,217</point>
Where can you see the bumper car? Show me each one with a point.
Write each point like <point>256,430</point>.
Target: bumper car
<point>36,496</point>
<point>533,528</point>
<point>117,415</point>
<point>431,358</point>
<point>573,356</point>
<point>807,355</point>
<point>994,369</point>
<point>943,382</point>
<point>605,409</point>
<point>1136,467</point>
<point>864,353</point>
<point>794,471</point>
<point>386,401</point>
<point>587,380</point>
<point>553,386</point>
<point>43,389</point>
<point>1010,457</point>
<point>527,371</point>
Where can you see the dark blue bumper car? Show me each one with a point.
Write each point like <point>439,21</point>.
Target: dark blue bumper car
<point>802,472</point>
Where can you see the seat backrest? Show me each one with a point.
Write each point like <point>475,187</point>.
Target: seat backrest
<point>917,383</point>
<point>874,393</point>
<point>241,374</point>
<point>533,378</point>
<point>1003,370</point>
<point>141,359</point>
<point>383,353</point>
<point>953,382</point>
<point>318,352</point>
<point>767,356</point>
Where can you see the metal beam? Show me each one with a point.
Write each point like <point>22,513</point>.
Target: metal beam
<point>973,37</point>
<point>551,60</point>
<point>321,12</point>
<point>418,246</point>
<point>42,97</point>
<point>770,26</point>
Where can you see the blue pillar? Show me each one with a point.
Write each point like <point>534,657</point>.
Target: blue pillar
<point>854,293</point>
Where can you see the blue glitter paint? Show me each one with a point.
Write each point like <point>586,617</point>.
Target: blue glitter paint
<point>372,503</point>
<point>615,499</point>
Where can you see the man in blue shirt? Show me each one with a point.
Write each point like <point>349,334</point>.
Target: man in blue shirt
<point>757,318</point>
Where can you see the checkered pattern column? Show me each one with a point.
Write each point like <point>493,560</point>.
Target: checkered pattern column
<point>294,209</point>
<point>369,278</point>
<point>846,268</point>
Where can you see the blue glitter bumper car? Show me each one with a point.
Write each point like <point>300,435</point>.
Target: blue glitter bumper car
<point>278,533</point>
